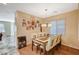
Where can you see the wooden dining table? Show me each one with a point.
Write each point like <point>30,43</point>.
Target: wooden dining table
<point>40,42</point>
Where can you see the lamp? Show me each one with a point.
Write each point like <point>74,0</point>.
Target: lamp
<point>43,25</point>
<point>49,25</point>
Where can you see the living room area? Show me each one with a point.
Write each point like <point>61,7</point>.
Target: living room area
<point>43,28</point>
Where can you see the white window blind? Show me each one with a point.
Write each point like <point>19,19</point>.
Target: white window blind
<point>58,27</point>
<point>53,30</point>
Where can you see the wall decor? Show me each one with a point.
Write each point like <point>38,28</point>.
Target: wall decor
<point>24,22</point>
<point>31,24</point>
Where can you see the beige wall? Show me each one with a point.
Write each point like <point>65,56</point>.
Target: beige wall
<point>78,24</point>
<point>71,28</point>
<point>21,31</point>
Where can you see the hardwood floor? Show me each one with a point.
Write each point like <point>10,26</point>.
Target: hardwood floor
<point>63,50</point>
<point>28,51</point>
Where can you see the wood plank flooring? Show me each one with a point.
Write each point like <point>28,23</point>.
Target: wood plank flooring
<point>63,50</point>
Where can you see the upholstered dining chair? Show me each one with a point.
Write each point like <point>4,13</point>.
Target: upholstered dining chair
<point>52,42</point>
<point>34,42</point>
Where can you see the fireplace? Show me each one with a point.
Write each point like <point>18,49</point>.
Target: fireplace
<point>22,42</point>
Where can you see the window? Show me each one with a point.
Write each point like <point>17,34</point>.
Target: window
<point>58,27</point>
<point>53,30</point>
<point>2,28</point>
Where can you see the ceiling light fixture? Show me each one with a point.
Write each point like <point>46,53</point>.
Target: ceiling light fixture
<point>46,9</point>
<point>46,12</point>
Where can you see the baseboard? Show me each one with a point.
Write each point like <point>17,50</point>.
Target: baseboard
<point>70,49</point>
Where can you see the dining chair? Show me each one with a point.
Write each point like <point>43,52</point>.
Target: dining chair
<point>53,41</point>
<point>34,42</point>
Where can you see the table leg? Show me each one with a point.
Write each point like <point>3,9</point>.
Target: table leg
<point>40,50</point>
<point>32,45</point>
<point>44,50</point>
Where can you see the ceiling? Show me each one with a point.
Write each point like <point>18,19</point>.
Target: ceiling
<point>7,11</point>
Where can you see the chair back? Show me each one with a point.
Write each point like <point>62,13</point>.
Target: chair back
<point>53,42</point>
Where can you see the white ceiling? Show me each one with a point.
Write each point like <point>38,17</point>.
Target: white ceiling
<point>7,11</point>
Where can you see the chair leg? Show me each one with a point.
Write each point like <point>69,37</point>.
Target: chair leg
<point>37,49</point>
<point>32,45</point>
<point>44,51</point>
<point>40,50</point>
<point>53,51</point>
<point>57,47</point>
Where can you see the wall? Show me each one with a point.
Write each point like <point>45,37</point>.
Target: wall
<point>78,24</point>
<point>7,26</point>
<point>21,31</point>
<point>71,28</point>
